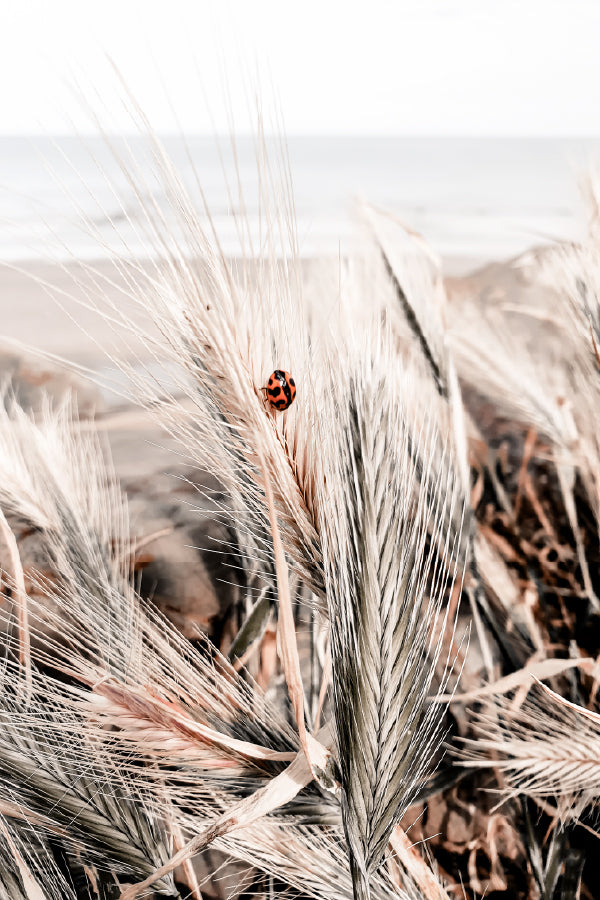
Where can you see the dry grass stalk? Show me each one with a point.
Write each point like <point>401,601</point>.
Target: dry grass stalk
<point>286,631</point>
<point>228,336</point>
<point>187,866</point>
<point>318,757</point>
<point>370,484</point>
<point>19,592</point>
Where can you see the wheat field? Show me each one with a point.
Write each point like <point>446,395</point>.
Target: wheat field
<point>401,700</point>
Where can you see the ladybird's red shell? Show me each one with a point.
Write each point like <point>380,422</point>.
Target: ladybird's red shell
<point>281,389</point>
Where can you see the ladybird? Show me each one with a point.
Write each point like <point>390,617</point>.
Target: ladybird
<point>281,389</point>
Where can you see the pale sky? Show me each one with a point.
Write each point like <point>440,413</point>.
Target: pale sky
<point>437,67</point>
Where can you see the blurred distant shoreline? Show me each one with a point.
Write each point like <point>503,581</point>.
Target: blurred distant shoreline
<point>471,198</point>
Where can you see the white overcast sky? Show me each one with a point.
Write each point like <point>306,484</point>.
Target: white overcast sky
<point>528,67</point>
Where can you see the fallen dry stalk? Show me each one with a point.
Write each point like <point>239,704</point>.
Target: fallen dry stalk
<point>279,791</point>
<point>187,866</point>
<point>316,755</point>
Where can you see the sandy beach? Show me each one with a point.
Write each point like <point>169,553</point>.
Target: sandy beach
<point>50,307</point>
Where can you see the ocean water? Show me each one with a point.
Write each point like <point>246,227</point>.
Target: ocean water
<point>471,198</point>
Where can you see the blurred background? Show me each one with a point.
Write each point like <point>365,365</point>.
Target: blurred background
<point>469,119</point>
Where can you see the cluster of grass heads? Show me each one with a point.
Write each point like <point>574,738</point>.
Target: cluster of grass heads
<point>126,751</point>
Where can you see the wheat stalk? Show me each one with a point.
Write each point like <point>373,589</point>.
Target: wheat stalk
<point>308,859</point>
<point>385,584</point>
<point>227,326</point>
<point>546,747</point>
<point>71,789</point>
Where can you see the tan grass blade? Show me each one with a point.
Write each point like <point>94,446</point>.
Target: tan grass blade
<point>28,866</point>
<point>417,868</point>
<point>546,668</point>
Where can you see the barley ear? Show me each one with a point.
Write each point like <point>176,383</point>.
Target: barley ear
<point>386,556</point>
